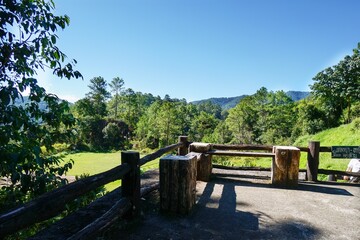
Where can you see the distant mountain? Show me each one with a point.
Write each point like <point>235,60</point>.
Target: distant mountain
<point>224,102</point>
<point>230,102</point>
<point>297,95</point>
<point>25,100</point>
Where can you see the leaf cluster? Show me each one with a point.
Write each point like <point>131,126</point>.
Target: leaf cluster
<point>28,45</point>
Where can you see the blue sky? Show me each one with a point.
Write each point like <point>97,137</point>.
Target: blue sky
<point>204,48</point>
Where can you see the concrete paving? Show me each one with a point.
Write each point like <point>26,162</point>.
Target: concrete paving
<point>241,206</point>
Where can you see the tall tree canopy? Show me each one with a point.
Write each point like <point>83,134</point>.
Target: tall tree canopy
<point>116,86</point>
<point>339,86</point>
<point>28,45</point>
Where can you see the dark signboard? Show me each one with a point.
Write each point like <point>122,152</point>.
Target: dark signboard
<point>345,151</point>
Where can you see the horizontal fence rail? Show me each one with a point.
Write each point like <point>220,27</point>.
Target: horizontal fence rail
<point>53,203</point>
<point>247,168</point>
<point>337,172</point>
<point>254,147</point>
<point>240,154</point>
<point>159,153</point>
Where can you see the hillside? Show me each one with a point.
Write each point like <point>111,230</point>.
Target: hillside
<point>230,102</point>
<point>346,135</point>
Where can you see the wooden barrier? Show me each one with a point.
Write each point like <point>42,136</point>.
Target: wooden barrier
<point>53,203</point>
<point>313,161</point>
<point>178,175</point>
<point>177,184</point>
<point>285,166</point>
<point>204,164</point>
<point>183,150</point>
<point>131,181</point>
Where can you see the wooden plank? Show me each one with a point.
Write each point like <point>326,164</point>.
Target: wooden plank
<point>199,147</point>
<point>248,168</point>
<point>159,153</point>
<point>110,217</point>
<point>337,172</point>
<point>241,147</point>
<point>240,154</point>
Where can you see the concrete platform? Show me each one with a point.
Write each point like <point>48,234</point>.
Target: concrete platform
<point>242,206</point>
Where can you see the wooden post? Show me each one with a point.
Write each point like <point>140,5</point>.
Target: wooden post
<point>177,184</point>
<point>285,166</point>
<point>313,161</point>
<point>182,151</point>
<point>204,164</point>
<point>130,186</point>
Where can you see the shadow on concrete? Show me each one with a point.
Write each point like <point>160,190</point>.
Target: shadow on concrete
<point>226,221</point>
<point>320,187</point>
<point>214,217</point>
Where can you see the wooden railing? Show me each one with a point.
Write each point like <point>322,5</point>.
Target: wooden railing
<point>54,202</point>
<point>313,157</point>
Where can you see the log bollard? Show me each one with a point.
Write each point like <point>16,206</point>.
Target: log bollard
<point>131,182</point>
<point>177,184</point>
<point>204,163</point>
<point>313,161</point>
<point>182,151</point>
<point>285,166</point>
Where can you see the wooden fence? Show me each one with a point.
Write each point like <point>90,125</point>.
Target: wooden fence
<point>313,158</point>
<point>53,203</point>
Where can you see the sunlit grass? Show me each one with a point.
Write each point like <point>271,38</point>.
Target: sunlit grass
<point>93,163</point>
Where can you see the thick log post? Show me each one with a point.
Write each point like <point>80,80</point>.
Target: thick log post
<point>313,161</point>
<point>285,166</point>
<point>177,184</point>
<point>204,164</point>
<point>182,151</point>
<point>130,186</point>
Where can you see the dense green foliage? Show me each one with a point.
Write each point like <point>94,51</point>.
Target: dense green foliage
<point>338,87</point>
<point>28,45</point>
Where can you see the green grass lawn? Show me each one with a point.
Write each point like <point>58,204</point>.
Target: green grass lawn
<point>92,163</point>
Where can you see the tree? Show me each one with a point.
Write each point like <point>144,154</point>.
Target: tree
<point>28,45</point>
<point>203,125</point>
<point>98,95</point>
<point>339,86</point>
<point>265,117</point>
<point>116,86</point>
<point>240,121</point>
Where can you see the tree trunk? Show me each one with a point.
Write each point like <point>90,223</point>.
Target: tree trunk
<point>285,166</point>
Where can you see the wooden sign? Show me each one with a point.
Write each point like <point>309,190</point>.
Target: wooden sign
<point>345,151</point>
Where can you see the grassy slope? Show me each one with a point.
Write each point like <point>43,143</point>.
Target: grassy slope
<point>344,135</point>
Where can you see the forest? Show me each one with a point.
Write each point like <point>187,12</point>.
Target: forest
<point>111,117</point>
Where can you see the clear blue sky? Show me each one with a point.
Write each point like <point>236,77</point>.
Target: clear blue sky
<point>204,48</point>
